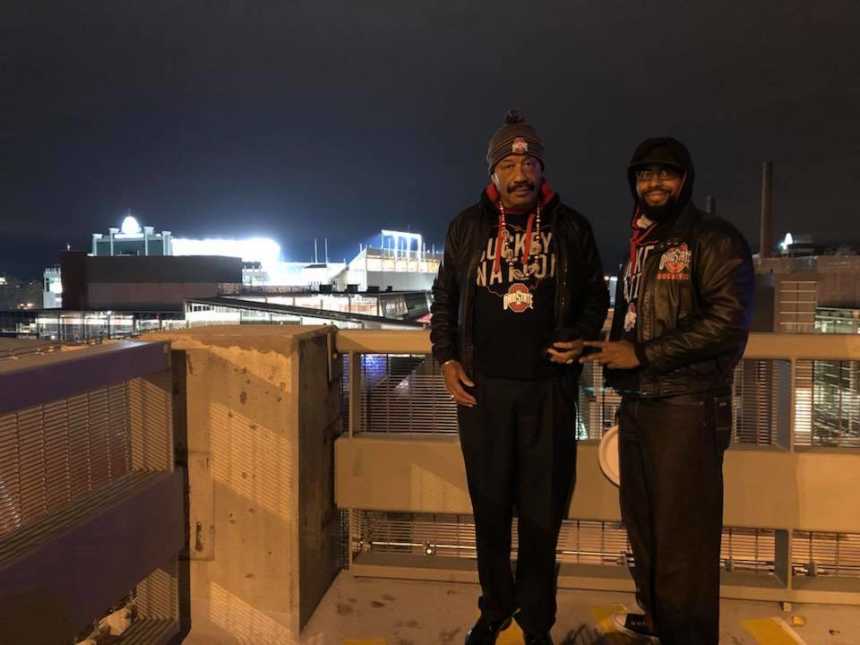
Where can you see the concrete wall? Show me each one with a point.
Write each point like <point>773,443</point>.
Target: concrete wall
<point>260,418</point>
<point>811,490</point>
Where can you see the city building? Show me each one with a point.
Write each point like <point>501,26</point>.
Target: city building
<point>401,262</point>
<point>52,293</point>
<point>837,320</point>
<point>135,282</point>
<point>132,239</point>
<point>806,277</point>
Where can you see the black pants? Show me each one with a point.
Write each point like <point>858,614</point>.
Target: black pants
<point>671,459</point>
<point>519,446</point>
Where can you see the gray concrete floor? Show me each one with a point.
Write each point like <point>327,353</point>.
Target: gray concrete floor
<point>363,611</point>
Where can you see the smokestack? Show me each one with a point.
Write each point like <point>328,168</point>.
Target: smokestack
<point>325,241</point>
<point>710,205</point>
<point>765,249</point>
<point>316,257</point>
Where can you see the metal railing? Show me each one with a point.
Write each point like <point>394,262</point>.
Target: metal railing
<point>91,509</point>
<point>405,393</point>
<point>797,413</point>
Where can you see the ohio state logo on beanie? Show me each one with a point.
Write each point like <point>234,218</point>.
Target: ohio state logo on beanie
<point>515,137</point>
<point>518,298</point>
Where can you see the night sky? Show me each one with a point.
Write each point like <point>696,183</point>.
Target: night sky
<point>301,119</point>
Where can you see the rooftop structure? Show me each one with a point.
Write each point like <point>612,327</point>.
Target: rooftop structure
<point>321,465</point>
<point>132,239</point>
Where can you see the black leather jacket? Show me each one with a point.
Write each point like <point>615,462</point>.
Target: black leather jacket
<point>691,331</point>
<point>581,296</point>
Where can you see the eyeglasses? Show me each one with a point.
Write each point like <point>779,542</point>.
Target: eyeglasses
<point>662,174</point>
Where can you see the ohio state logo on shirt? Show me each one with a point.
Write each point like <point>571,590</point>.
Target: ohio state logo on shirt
<point>518,298</point>
<point>520,146</point>
<point>675,263</point>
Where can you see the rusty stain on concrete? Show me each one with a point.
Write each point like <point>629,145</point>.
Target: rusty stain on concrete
<point>449,635</point>
<point>343,609</point>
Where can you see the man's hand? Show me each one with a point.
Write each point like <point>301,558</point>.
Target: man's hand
<point>618,355</point>
<point>455,378</point>
<point>565,351</point>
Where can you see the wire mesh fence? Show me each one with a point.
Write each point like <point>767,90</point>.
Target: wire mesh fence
<point>406,394</point>
<point>590,542</point>
<point>818,553</point>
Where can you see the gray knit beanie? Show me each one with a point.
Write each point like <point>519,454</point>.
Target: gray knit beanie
<point>515,137</point>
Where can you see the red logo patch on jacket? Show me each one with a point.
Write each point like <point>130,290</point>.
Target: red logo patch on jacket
<point>518,298</point>
<point>675,263</point>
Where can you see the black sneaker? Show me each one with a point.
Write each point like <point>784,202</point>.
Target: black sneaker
<point>635,625</point>
<point>484,632</point>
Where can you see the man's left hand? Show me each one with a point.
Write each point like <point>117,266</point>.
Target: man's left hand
<point>618,355</point>
<point>565,351</point>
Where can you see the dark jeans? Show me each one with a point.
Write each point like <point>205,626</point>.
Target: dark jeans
<point>671,459</point>
<point>519,447</point>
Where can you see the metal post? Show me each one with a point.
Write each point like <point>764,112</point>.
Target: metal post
<point>354,393</point>
<point>766,223</point>
<point>710,205</point>
<point>792,403</point>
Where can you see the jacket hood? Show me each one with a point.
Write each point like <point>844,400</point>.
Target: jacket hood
<point>669,152</point>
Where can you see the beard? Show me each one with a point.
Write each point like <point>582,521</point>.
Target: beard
<point>661,212</point>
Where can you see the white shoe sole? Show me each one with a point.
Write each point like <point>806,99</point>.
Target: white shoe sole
<point>619,619</point>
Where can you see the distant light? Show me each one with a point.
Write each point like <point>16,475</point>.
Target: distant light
<point>788,241</point>
<point>130,226</point>
<point>257,249</point>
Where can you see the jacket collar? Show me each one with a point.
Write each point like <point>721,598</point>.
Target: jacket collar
<point>682,228</point>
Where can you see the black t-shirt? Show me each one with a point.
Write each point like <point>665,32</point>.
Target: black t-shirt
<point>514,307</point>
<point>626,307</point>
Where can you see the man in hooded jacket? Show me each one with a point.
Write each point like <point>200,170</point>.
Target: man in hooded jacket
<point>519,288</point>
<point>682,314</point>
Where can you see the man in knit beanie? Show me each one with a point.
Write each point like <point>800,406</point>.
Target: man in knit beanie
<point>520,288</point>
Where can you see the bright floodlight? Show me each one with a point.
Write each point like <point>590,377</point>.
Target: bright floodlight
<point>130,226</point>
<point>257,249</point>
<point>788,241</point>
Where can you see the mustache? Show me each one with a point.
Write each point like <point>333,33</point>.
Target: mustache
<point>521,184</point>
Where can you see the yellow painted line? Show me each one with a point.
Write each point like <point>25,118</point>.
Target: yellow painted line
<point>772,631</point>
<point>603,617</point>
<point>513,635</point>
<point>370,641</point>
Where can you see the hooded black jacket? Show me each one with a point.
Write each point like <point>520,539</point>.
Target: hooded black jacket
<point>693,320</point>
<point>581,297</point>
